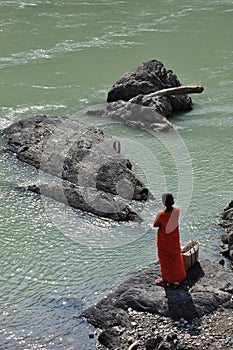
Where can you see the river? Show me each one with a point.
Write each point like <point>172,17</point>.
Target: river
<point>59,58</point>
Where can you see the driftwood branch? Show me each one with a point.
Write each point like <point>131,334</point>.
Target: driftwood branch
<point>179,90</point>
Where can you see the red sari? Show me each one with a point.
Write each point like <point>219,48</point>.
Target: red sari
<point>168,243</point>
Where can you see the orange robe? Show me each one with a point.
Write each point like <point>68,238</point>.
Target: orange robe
<point>168,243</point>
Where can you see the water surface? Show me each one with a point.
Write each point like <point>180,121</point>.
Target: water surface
<point>59,57</point>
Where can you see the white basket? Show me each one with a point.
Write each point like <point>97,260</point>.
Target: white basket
<point>190,253</point>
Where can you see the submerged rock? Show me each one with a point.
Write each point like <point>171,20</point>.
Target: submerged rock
<point>88,199</point>
<point>80,154</point>
<point>137,114</point>
<point>208,286</point>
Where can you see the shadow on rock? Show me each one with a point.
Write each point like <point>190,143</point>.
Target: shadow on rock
<point>208,286</point>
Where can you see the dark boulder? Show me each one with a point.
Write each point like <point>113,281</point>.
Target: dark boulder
<point>227,237</point>
<point>149,77</point>
<point>80,154</point>
<point>109,338</point>
<point>159,104</point>
<point>133,101</point>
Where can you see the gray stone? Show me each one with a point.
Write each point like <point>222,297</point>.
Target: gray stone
<point>207,287</point>
<point>159,104</point>
<point>130,100</point>
<point>80,154</point>
<point>148,77</point>
<point>88,199</point>
<point>136,113</point>
<point>153,343</point>
<point>227,236</point>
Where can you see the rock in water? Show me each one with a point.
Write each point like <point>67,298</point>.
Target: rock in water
<point>147,116</point>
<point>149,77</point>
<point>130,100</point>
<point>89,200</point>
<point>80,154</point>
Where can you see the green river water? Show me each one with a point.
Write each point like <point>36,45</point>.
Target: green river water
<point>60,57</point>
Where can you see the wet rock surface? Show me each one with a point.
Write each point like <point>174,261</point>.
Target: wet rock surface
<point>88,199</point>
<point>159,104</point>
<point>148,77</point>
<point>80,154</point>
<point>131,100</point>
<point>139,112</point>
<point>227,237</point>
<point>146,316</point>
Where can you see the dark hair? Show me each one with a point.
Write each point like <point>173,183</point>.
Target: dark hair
<point>167,199</point>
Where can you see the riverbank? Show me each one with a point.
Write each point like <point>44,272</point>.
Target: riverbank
<point>196,314</point>
<point>227,237</point>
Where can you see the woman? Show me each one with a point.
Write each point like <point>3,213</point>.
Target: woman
<point>168,243</point>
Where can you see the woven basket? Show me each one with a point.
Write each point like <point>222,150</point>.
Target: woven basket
<point>190,253</point>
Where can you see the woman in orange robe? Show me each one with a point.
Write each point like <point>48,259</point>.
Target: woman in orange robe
<point>168,243</point>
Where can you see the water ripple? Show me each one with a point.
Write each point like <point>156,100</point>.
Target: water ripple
<point>20,58</point>
<point>49,273</point>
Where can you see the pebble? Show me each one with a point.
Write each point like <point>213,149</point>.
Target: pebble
<point>134,324</point>
<point>131,340</point>
<point>211,332</point>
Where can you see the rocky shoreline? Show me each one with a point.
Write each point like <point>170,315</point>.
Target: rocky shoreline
<point>227,237</point>
<point>197,314</point>
<point>212,331</point>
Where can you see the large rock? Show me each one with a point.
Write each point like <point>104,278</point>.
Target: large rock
<point>78,153</point>
<point>88,199</point>
<point>130,101</point>
<point>208,286</point>
<point>139,112</point>
<point>149,77</point>
<point>227,237</point>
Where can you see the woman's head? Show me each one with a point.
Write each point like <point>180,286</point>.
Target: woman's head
<point>167,199</point>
